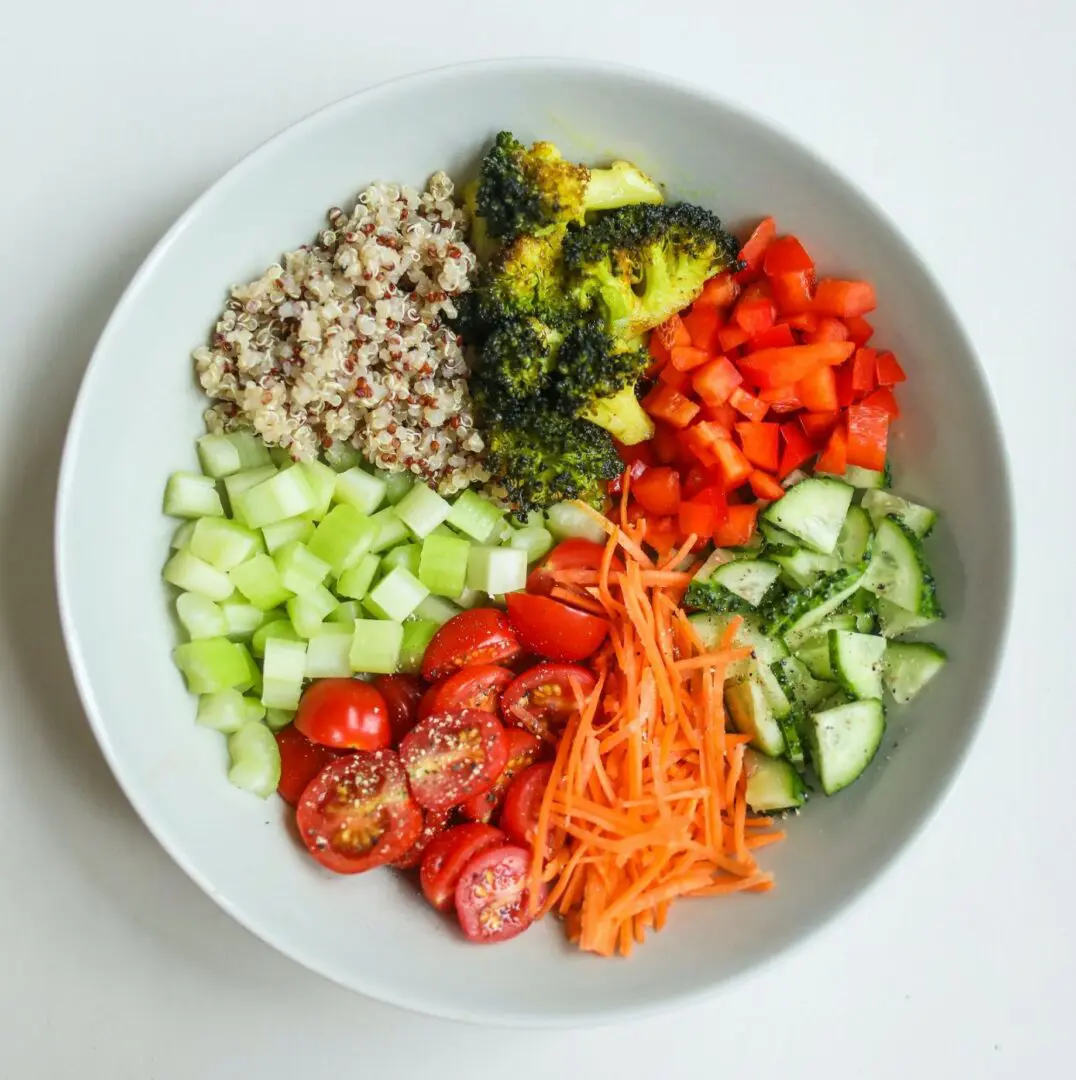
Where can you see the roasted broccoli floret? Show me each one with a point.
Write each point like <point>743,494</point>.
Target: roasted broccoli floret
<point>644,263</point>
<point>525,191</point>
<point>542,457</point>
<point>517,359</point>
<point>526,278</point>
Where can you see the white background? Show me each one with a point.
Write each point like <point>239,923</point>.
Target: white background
<point>955,115</point>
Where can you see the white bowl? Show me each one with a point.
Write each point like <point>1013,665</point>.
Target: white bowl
<point>138,414</point>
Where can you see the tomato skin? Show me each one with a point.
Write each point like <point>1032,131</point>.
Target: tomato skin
<point>492,896</point>
<point>478,636</point>
<point>446,857</point>
<point>554,630</point>
<point>573,554</point>
<point>541,699</point>
<point>519,816</point>
<point>477,687</point>
<point>523,751</point>
<point>357,814</point>
<point>402,693</point>
<point>346,714</point>
<point>450,757</point>
<point>300,761</point>
<point>434,823</point>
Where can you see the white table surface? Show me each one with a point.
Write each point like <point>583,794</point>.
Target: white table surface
<point>956,116</point>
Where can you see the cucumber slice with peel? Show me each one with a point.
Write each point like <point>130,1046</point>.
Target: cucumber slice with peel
<point>814,510</point>
<point>856,660</point>
<point>844,740</point>
<point>772,784</point>
<point>909,666</point>
<point>882,504</point>
<point>893,620</point>
<point>752,715</point>
<point>749,579</point>
<point>899,572</point>
<point>801,568</point>
<point>854,541</point>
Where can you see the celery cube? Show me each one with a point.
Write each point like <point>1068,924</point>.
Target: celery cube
<point>358,488</point>
<point>283,532</point>
<point>396,595</point>
<point>201,618</point>
<point>375,646</point>
<point>188,572</point>
<point>278,628</point>
<point>191,495</point>
<point>328,655</point>
<point>475,516</point>
<point>308,612</point>
<point>255,760</point>
<point>345,613</point>
<point>406,555</point>
<point>391,530</point>
<point>228,710</point>
<point>240,619</point>
<point>300,570</point>
<point>422,510</point>
<point>322,482</point>
<point>223,543</point>
<point>213,664</point>
<point>442,567</point>
<point>436,609</point>
<point>240,482</point>
<point>222,455</point>
<point>343,538</point>
<point>356,582</point>
<point>286,495</point>
<point>497,570</point>
<point>259,581</point>
<point>417,634</point>
<point>397,484</point>
<point>283,672</point>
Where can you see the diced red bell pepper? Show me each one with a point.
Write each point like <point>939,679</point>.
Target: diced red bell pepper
<point>740,526</point>
<point>662,533</point>
<point>818,426</point>
<point>636,469</point>
<point>732,464</point>
<point>656,347</point>
<point>785,405</point>
<point>844,299</point>
<point>714,495</point>
<point>804,322</point>
<point>658,490</point>
<point>755,311</point>
<point>863,372</point>
<point>672,332</point>
<point>665,403</point>
<point>834,458</point>
<point>786,255</point>
<point>884,398</point>
<point>859,330</point>
<point>702,439</point>
<point>697,517</point>
<point>793,293</point>
<point>779,394</point>
<point>828,329</point>
<point>760,444</point>
<point>818,391</point>
<point>725,415</point>
<point>888,370</point>
<point>666,443</point>
<point>797,448</point>
<point>693,481</point>
<point>769,368</point>
<point>687,357</point>
<point>643,452</point>
<point>846,393</point>
<point>730,337</point>
<point>754,251</point>
<point>748,404</point>
<point>720,291</point>
<point>765,486</point>
<point>715,380</point>
<point>703,323</point>
<point>868,435</point>
<point>674,377</point>
<point>776,337</point>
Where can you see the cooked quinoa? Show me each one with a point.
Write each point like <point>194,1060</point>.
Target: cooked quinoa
<point>347,340</point>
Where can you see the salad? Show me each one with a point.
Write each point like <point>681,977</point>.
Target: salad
<point>544,544</point>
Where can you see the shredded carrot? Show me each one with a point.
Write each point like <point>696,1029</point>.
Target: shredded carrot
<point>646,801</point>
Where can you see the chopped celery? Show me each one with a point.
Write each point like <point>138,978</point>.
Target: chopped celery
<point>241,619</point>
<point>259,581</point>
<point>280,456</point>
<point>328,655</point>
<point>391,531</point>
<point>281,533</point>
<point>276,719</point>
<point>236,484</point>
<point>191,495</point>
<point>300,570</point>
<point>222,455</point>
<point>422,510</point>
<point>195,575</point>
<point>223,543</point>
<point>417,634</point>
<point>535,540</point>
<point>346,612</point>
<point>436,609</point>
<point>469,598</point>
<point>497,570</point>
<point>184,531</point>
<point>334,628</point>
<point>343,538</point>
<point>442,567</point>
<point>477,517</point>
<point>213,664</point>
<point>358,488</point>
<point>566,520</point>
<point>286,495</point>
<point>282,672</point>
<point>396,595</point>
<point>397,484</point>
<point>342,456</point>
<point>201,618</point>
<point>255,760</point>
<point>322,482</point>
<point>375,646</point>
<point>228,710</point>
<point>278,628</point>
<point>356,582</point>
<point>307,612</point>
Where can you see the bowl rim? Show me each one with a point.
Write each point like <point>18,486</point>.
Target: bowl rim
<point>602,1014</point>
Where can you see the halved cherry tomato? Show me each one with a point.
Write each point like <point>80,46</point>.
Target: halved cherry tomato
<point>478,636</point>
<point>493,895</point>
<point>519,818</point>
<point>402,693</point>
<point>554,630</point>
<point>434,823</point>
<point>574,554</point>
<point>357,813</point>
<point>450,758</point>
<point>300,761</point>
<point>542,699</point>
<point>477,687</point>
<point>448,854</point>
<point>346,714</point>
<point>523,750</point>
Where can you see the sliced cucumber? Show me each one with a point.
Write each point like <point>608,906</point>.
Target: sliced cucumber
<point>861,605</point>
<point>814,510</point>
<point>777,538</point>
<point>909,666</point>
<point>802,567</point>
<point>881,504</point>
<point>899,572</point>
<point>844,740</point>
<point>749,579</point>
<point>865,479</point>
<point>716,559</point>
<point>794,615</point>
<point>854,542</point>
<point>792,725</point>
<point>894,621</point>
<point>751,713</point>
<point>771,784</point>
<point>814,655</point>
<point>750,634</point>
<point>856,660</point>
<point>799,683</point>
